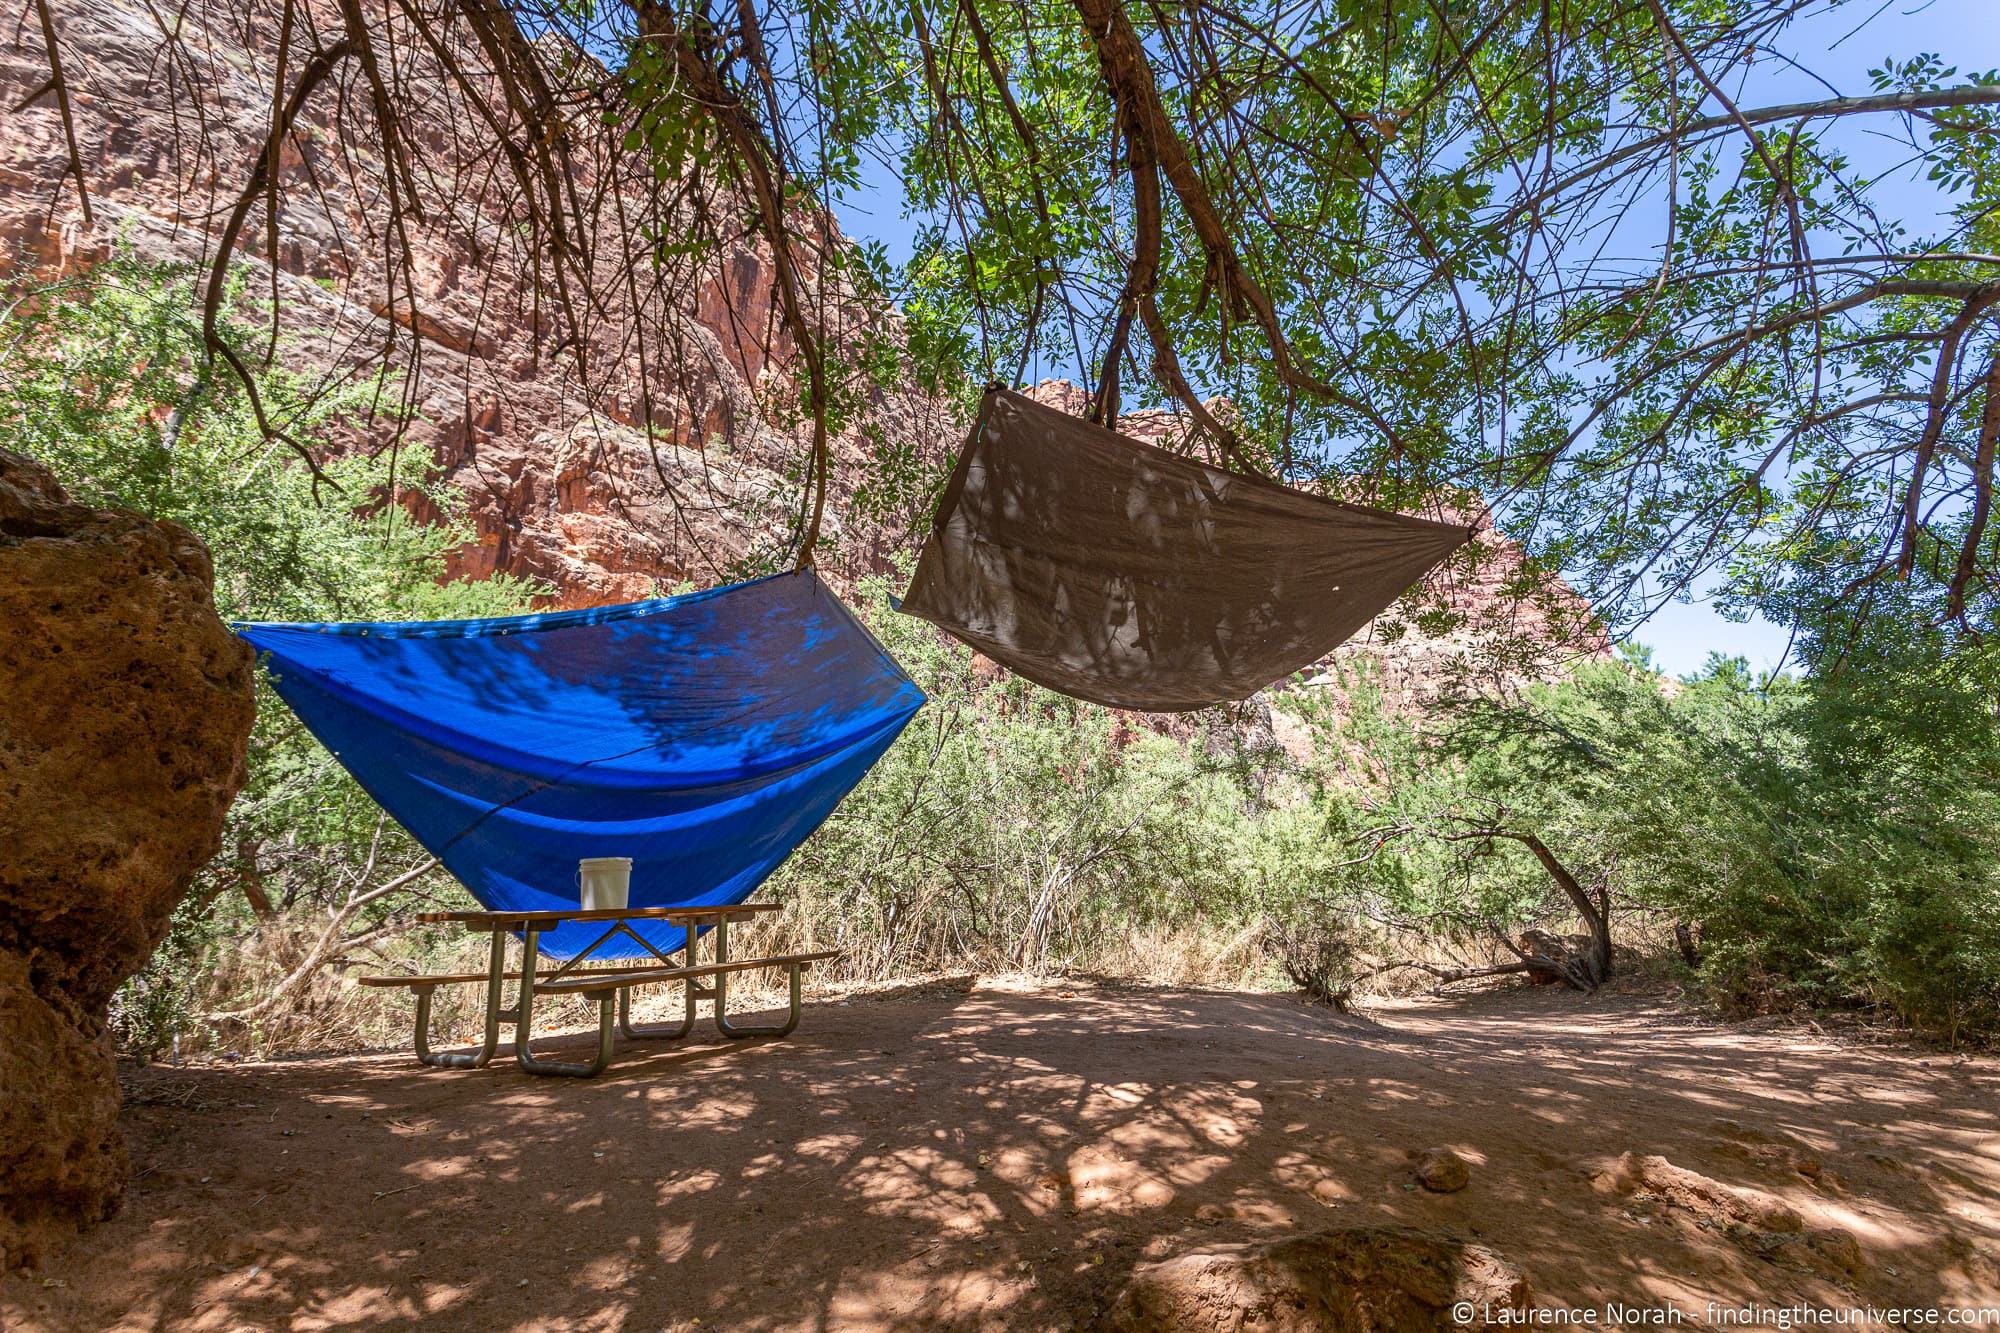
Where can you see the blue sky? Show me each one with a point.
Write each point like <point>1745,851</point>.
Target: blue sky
<point>1967,34</point>
<point>1839,47</point>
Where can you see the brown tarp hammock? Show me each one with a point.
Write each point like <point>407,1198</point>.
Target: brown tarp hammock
<point>1113,571</point>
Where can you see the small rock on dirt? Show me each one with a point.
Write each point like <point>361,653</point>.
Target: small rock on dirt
<point>1442,1171</point>
<point>1838,1248</point>
<point>1359,1279</point>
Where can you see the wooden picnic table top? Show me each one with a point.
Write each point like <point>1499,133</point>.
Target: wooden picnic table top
<point>543,920</point>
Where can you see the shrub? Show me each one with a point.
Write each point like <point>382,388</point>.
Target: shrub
<point>105,383</point>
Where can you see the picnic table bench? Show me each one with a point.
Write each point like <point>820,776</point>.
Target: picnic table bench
<point>611,982</point>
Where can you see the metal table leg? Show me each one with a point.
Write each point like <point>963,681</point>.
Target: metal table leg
<point>662,1031</point>
<point>524,1025</point>
<point>739,1030</point>
<point>496,970</point>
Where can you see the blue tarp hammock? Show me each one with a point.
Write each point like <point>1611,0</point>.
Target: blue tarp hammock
<point>703,736</point>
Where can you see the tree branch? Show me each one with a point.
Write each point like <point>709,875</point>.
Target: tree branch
<point>706,87</point>
<point>61,86</point>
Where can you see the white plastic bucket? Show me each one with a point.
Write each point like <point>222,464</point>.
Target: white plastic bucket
<point>604,882</point>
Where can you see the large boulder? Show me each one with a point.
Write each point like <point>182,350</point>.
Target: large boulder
<point>1351,1280</point>
<point>127,709</point>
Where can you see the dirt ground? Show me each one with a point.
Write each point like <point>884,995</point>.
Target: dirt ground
<point>999,1154</point>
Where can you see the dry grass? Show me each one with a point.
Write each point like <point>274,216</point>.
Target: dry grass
<point>331,1012</point>
<point>1215,955</point>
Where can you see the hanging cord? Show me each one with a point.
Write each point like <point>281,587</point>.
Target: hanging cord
<point>954,485</point>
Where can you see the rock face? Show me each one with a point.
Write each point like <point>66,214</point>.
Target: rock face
<point>646,474</point>
<point>1353,1280</point>
<point>128,708</point>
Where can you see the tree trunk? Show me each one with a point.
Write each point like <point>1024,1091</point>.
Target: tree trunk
<point>1586,966</point>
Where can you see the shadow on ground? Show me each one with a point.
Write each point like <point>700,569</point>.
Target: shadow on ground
<point>1005,1155</point>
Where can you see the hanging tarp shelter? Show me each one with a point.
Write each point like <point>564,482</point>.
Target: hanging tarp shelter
<point>703,736</point>
<point>1110,570</point>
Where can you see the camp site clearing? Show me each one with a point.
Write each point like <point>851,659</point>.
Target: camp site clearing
<point>1002,1153</point>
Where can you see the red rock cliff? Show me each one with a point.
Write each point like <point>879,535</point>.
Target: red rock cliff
<point>562,479</point>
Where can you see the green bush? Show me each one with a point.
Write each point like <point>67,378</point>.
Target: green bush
<point>1013,827</point>
<point>102,379</point>
<point>1835,840</point>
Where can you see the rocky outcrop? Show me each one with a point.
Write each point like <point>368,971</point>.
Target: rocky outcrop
<point>658,468</point>
<point>128,708</point>
<point>1352,1280</point>
<point>1719,1204</point>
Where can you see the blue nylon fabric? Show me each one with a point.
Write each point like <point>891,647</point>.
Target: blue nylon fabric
<point>703,736</point>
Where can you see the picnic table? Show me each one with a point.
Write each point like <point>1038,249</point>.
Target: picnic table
<point>611,983</point>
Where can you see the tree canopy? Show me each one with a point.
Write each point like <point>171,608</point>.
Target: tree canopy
<point>1544,253</point>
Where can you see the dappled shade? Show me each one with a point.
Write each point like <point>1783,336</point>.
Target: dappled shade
<point>704,736</point>
<point>1117,572</point>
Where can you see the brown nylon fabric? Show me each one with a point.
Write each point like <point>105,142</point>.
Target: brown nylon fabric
<point>1113,571</point>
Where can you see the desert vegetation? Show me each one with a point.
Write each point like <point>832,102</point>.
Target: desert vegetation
<point>1821,839</point>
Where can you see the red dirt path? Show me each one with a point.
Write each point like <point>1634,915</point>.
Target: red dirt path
<point>1001,1156</point>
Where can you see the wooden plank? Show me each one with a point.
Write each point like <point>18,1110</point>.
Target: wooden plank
<point>485,920</point>
<point>632,970</point>
<point>574,985</point>
<point>453,978</point>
